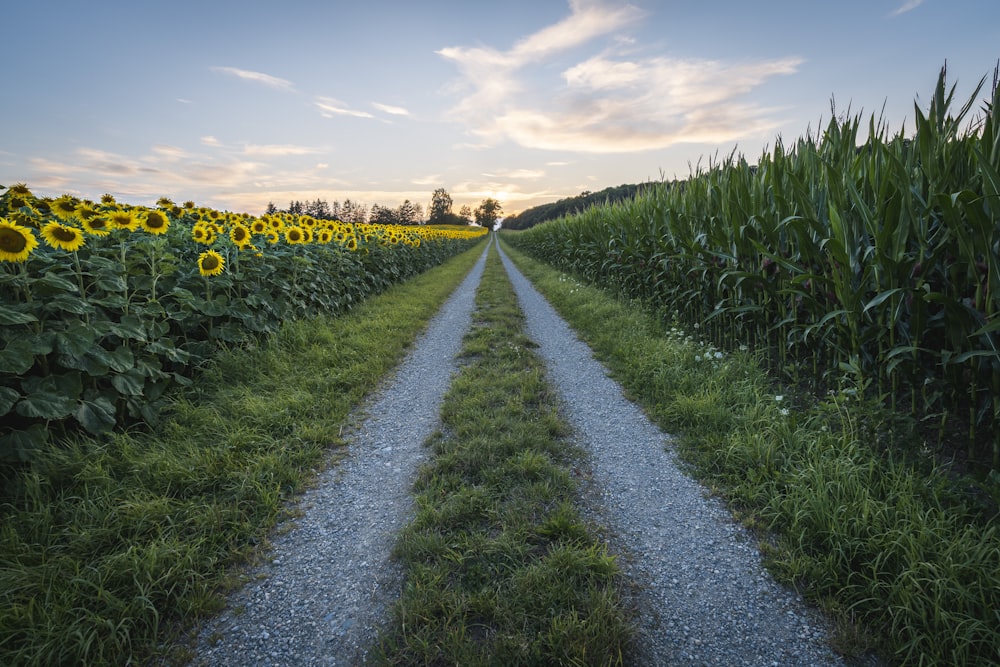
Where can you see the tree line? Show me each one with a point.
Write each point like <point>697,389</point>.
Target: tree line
<point>408,213</point>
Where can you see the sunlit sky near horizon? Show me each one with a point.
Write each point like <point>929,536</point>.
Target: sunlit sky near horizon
<point>234,104</point>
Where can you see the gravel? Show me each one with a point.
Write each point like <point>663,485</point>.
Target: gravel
<point>330,581</point>
<point>700,592</point>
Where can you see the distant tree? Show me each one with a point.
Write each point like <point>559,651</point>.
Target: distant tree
<point>352,212</point>
<point>440,206</point>
<point>488,212</point>
<point>295,207</point>
<point>382,215</point>
<point>335,213</point>
<point>318,209</point>
<point>406,214</point>
<point>466,213</point>
<point>271,208</point>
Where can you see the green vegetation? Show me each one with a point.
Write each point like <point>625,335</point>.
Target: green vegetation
<point>571,206</point>
<point>500,568</point>
<point>908,564</point>
<point>108,543</point>
<point>875,267</point>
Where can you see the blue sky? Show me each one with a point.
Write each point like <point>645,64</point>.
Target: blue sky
<point>234,104</point>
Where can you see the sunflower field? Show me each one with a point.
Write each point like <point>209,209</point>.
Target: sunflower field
<point>105,306</point>
<point>854,261</point>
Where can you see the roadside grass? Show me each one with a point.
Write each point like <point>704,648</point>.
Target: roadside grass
<point>109,548</point>
<point>500,568</point>
<point>907,567</point>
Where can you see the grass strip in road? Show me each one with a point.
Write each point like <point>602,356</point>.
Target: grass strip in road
<point>908,568</point>
<point>500,568</point>
<point>106,544</point>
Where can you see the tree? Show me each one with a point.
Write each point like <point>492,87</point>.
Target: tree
<point>271,208</point>
<point>440,206</point>
<point>488,212</point>
<point>406,214</point>
<point>382,215</point>
<point>466,213</point>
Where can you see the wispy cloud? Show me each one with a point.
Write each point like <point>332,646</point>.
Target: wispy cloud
<point>278,150</point>
<point>329,107</point>
<point>211,141</point>
<point>257,77</point>
<point>608,102</point>
<point>433,179</point>
<point>516,173</point>
<point>386,108</point>
<point>907,6</point>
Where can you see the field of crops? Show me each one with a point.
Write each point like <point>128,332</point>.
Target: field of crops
<point>105,306</point>
<point>852,263</point>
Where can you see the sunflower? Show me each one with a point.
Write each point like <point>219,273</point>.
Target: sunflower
<point>16,242</point>
<point>164,202</point>
<point>307,235</point>
<point>123,220</point>
<point>259,226</point>
<point>240,235</point>
<point>352,243</point>
<point>202,233</point>
<point>155,222</point>
<point>277,224</point>
<point>294,235</point>
<point>108,199</point>
<point>324,236</point>
<point>210,263</point>
<point>273,237</point>
<point>63,236</point>
<point>64,207</point>
<point>189,205</point>
<point>97,226</point>
<point>19,189</point>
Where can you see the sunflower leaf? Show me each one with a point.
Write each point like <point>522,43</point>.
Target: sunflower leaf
<point>97,416</point>
<point>8,397</point>
<point>11,316</point>
<point>45,405</point>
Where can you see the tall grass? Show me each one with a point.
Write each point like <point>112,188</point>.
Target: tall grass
<point>872,264</point>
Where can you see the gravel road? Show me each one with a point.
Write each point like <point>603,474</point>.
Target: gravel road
<point>330,581</point>
<point>700,590</point>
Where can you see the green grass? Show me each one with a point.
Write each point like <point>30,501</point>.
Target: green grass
<point>108,548</point>
<point>907,565</point>
<point>500,568</point>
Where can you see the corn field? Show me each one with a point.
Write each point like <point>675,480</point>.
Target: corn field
<point>105,306</point>
<point>870,265</point>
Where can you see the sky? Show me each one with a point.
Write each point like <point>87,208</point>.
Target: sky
<point>236,103</point>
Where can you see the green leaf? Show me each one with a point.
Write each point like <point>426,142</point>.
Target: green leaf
<point>11,316</point>
<point>129,328</point>
<point>8,397</point>
<point>45,405</point>
<point>76,340</point>
<point>17,358</point>
<point>20,445</point>
<point>97,416</point>
<point>121,359</point>
<point>50,279</point>
<point>129,383</point>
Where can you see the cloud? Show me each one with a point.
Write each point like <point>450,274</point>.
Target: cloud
<point>516,173</point>
<point>907,6</point>
<point>211,141</point>
<point>257,77</point>
<point>395,111</point>
<point>433,179</point>
<point>608,102</point>
<point>170,153</point>
<point>330,107</point>
<point>273,150</point>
